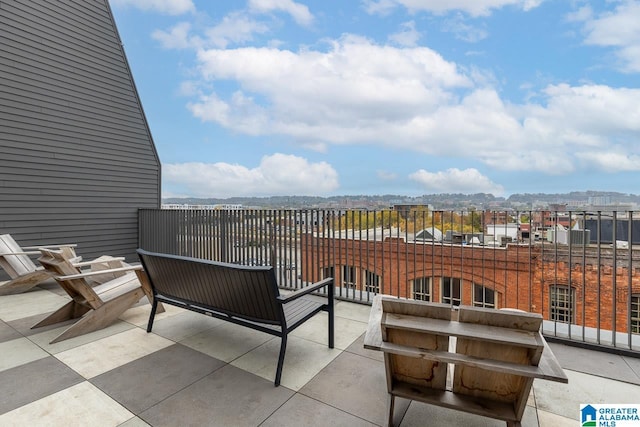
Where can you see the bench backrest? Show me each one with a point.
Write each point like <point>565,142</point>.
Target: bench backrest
<point>14,265</point>
<point>236,290</point>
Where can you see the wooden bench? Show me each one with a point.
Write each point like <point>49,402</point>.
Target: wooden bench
<point>245,295</point>
<point>477,360</point>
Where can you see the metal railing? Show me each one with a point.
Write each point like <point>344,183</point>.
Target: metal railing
<point>579,270</point>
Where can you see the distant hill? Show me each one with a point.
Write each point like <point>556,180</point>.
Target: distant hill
<point>443,200</point>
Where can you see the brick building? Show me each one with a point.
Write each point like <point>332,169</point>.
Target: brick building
<point>589,286</point>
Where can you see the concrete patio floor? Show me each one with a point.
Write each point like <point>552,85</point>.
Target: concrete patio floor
<point>196,370</point>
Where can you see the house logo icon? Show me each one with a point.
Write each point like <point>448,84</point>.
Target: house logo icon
<point>587,415</point>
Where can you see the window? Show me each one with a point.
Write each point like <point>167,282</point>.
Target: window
<point>451,290</point>
<point>562,301</point>
<point>483,297</point>
<point>635,314</point>
<point>422,288</point>
<point>327,272</point>
<point>372,282</point>
<point>349,276</point>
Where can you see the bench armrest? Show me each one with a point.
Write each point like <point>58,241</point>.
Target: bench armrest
<point>305,291</point>
<point>99,272</point>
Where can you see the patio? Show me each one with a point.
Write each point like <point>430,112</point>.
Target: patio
<point>196,370</point>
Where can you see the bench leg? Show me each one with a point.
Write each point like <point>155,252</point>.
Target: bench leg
<point>283,348</point>
<point>331,326</point>
<point>154,307</point>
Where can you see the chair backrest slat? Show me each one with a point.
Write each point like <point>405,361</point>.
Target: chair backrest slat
<point>14,265</point>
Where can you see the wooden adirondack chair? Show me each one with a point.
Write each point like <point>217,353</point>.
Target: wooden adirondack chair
<point>23,272</point>
<point>477,360</point>
<point>95,307</point>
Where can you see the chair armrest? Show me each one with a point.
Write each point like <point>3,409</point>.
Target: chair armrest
<point>97,261</point>
<point>70,245</point>
<point>22,253</point>
<point>305,291</point>
<point>99,272</point>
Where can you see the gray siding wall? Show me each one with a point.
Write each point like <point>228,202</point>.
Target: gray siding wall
<point>76,155</point>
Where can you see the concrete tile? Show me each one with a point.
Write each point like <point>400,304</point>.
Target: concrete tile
<point>38,301</point>
<point>18,352</point>
<point>139,314</point>
<point>353,384</point>
<point>357,347</point>
<point>52,286</point>
<point>100,356</point>
<point>24,325</point>
<point>634,364</point>
<point>316,329</point>
<point>81,404</point>
<point>353,311</point>
<point>183,325</point>
<point>303,411</point>
<point>600,363</point>
<point>227,397</point>
<point>134,422</point>
<point>34,380</point>
<point>146,381</point>
<point>418,412</point>
<point>563,399</point>
<point>227,341</point>
<point>303,360</point>
<point>548,419</point>
<point>7,333</point>
<point>43,339</point>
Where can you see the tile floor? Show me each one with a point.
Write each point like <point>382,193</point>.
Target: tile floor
<point>195,370</point>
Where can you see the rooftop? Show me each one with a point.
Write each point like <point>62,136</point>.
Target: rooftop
<point>197,370</point>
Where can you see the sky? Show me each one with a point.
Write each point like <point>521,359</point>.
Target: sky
<point>369,97</point>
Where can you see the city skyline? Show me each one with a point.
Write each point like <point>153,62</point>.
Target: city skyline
<point>276,97</point>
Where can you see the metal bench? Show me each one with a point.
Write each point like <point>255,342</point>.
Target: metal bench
<point>245,295</point>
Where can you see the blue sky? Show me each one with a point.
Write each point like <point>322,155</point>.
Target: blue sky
<point>408,97</point>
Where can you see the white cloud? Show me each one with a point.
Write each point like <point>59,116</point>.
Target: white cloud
<point>463,31</point>
<point>467,181</point>
<point>407,36</point>
<point>177,37</point>
<point>358,92</point>
<point>236,27</point>
<point>609,161</point>
<point>299,12</point>
<point>618,29</point>
<point>470,7</point>
<point>169,7</point>
<point>278,174</point>
<point>386,175</point>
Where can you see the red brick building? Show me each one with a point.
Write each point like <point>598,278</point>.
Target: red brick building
<point>587,287</point>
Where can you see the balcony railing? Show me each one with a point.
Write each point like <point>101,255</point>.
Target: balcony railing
<point>580,270</point>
